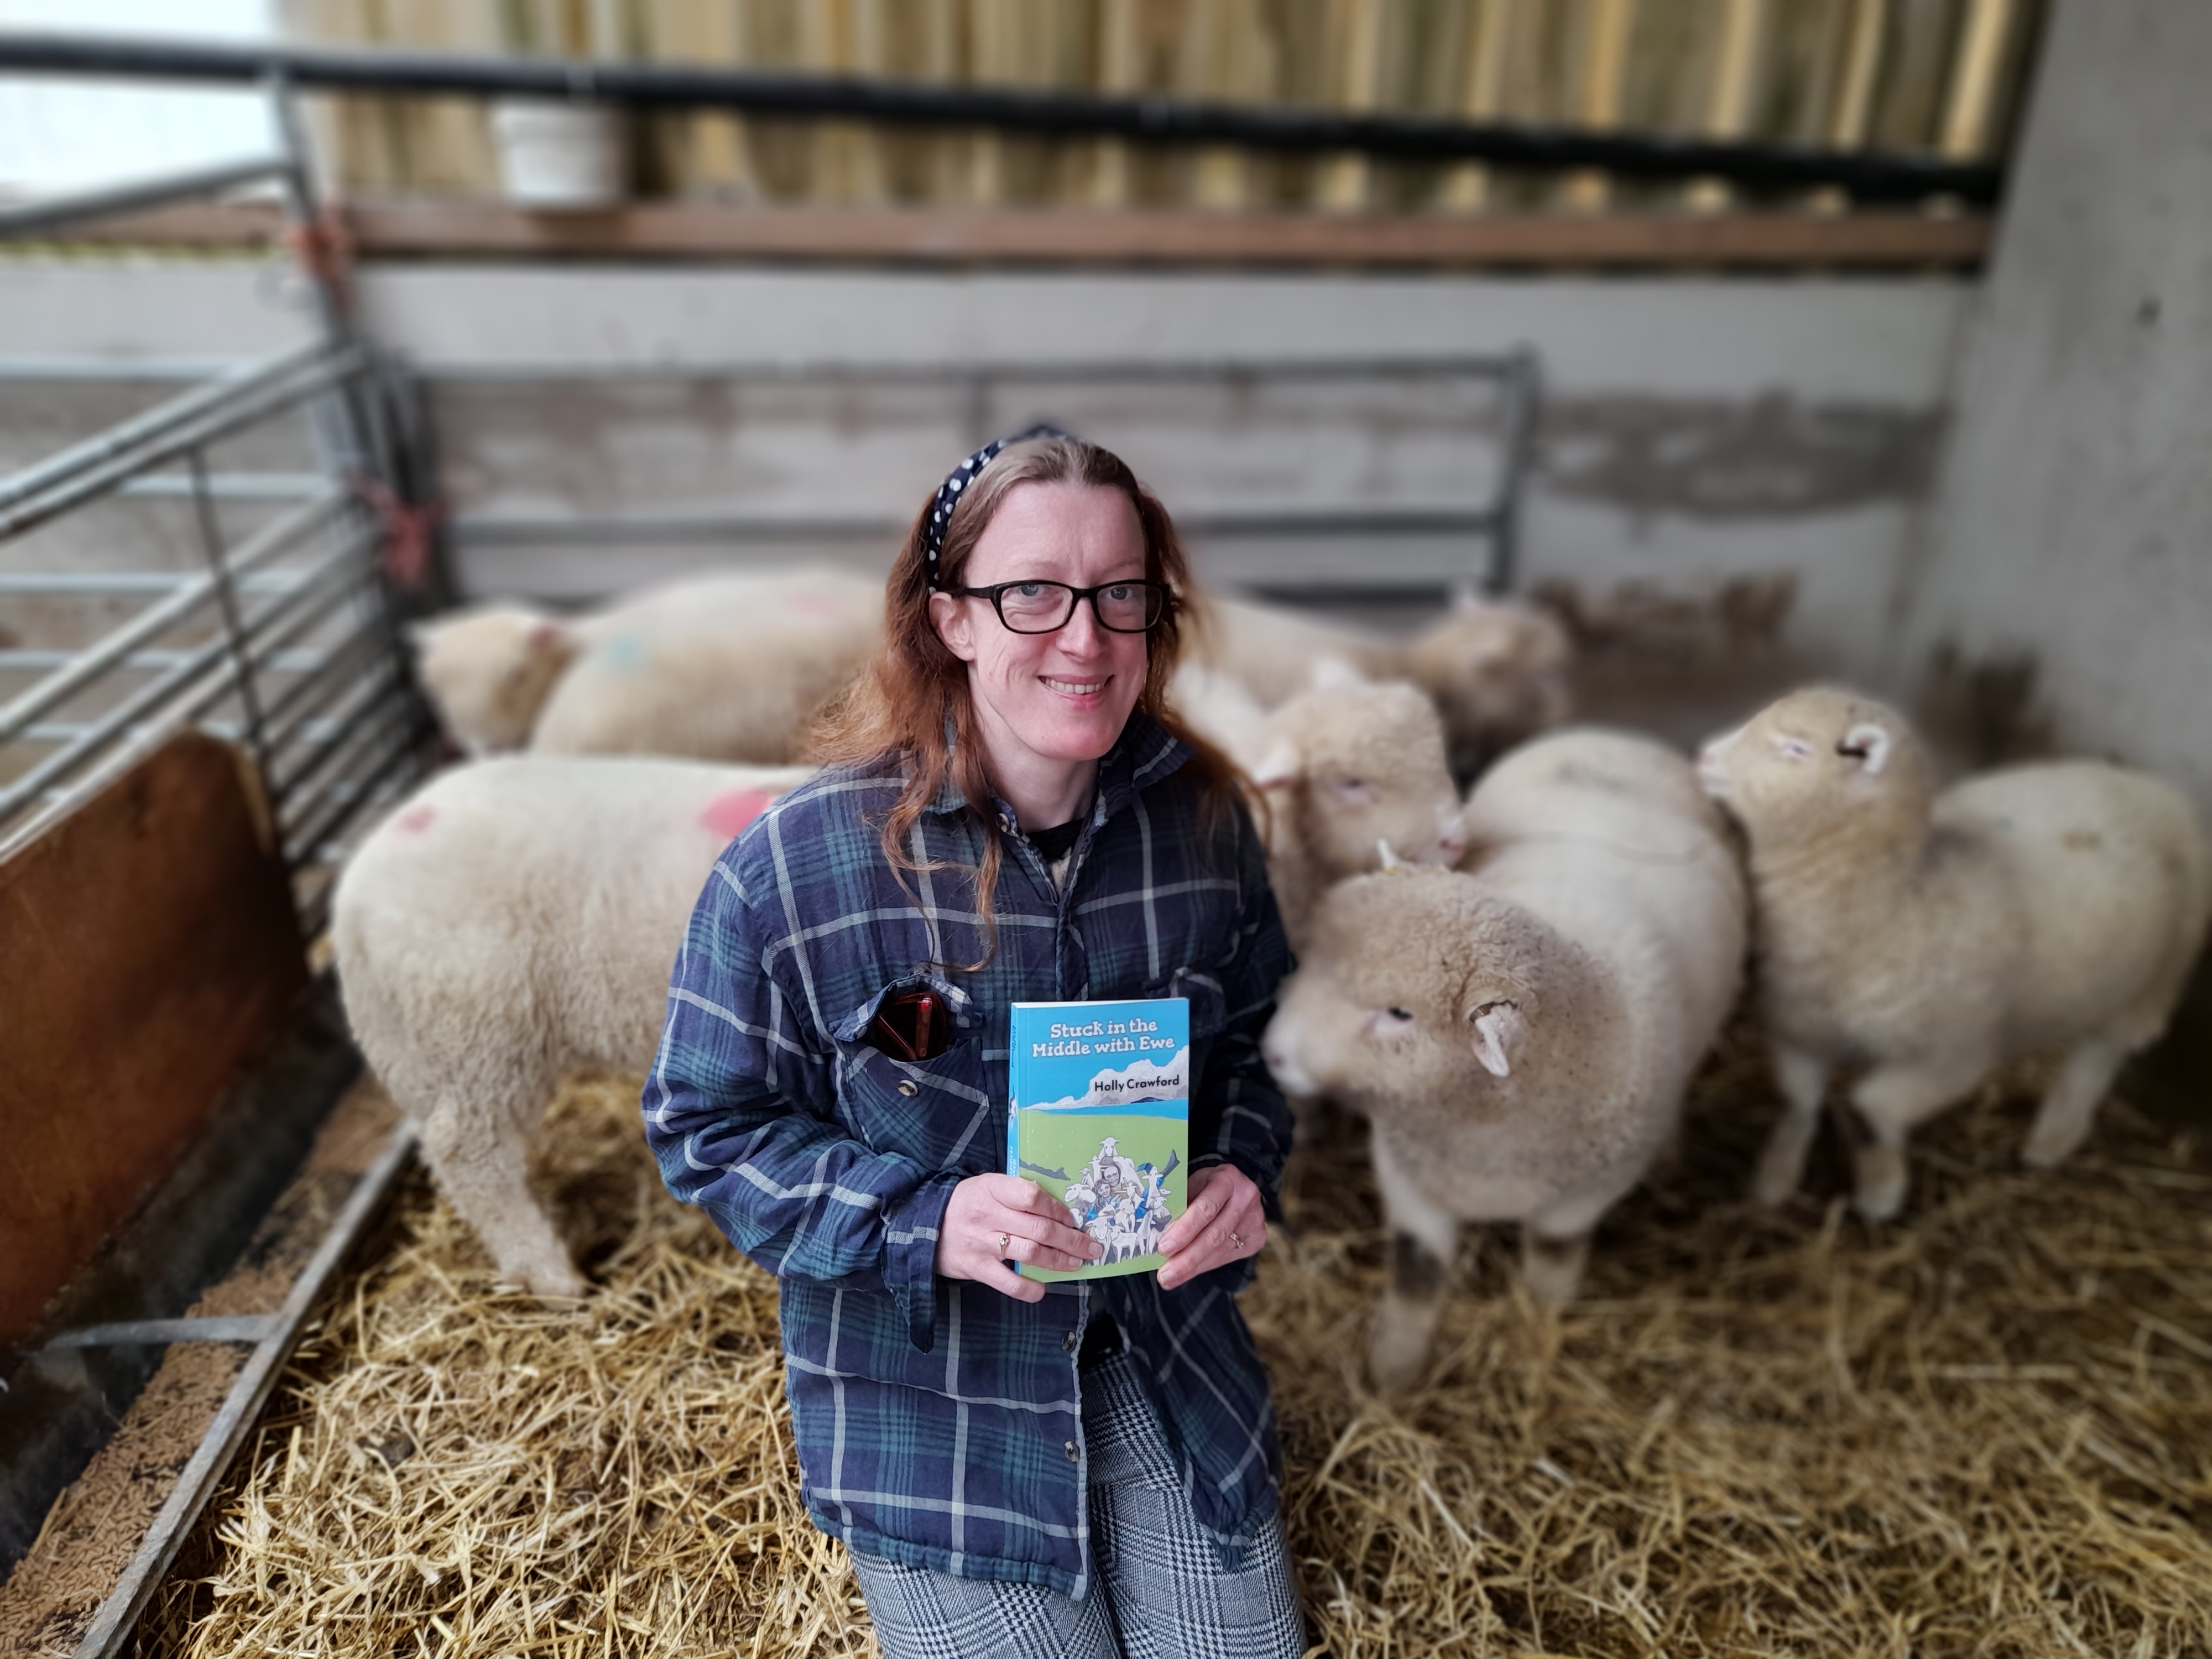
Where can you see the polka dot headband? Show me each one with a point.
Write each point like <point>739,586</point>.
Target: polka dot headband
<point>948,493</point>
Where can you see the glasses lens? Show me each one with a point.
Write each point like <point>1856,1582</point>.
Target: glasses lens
<point>1131,607</point>
<point>1035,607</point>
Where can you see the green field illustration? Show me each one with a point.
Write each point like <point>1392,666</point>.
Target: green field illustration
<point>1119,1169</point>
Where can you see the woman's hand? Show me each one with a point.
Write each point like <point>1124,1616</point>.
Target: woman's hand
<point>992,1220</point>
<point>1223,1222</point>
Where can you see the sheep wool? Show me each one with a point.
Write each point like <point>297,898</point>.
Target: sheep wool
<point>1497,669</point>
<point>1520,1033</point>
<point>730,668</point>
<point>1349,768</point>
<point>515,919</point>
<point>1929,937</point>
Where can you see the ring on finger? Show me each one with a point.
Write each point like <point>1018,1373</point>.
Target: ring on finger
<point>1003,1243</point>
<point>1238,1242</point>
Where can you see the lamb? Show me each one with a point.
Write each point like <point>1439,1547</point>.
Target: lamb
<point>513,919</point>
<point>726,667</point>
<point>1520,1033</point>
<point>1348,767</point>
<point>2052,909</point>
<point>1497,670</point>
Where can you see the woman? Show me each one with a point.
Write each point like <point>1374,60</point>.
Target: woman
<point>1010,814</point>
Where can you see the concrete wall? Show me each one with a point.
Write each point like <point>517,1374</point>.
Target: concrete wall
<point>1727,472</point>
<point>2065,594</point>
<point>1728,469</point>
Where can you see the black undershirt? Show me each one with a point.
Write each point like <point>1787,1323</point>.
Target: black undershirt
<point>1054,844</point>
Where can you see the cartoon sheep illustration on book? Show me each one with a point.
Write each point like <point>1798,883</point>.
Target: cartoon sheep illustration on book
<point>1121,1202</point>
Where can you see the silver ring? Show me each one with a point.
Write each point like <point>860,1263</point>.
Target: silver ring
<point>1002,1246</point>
<point>1238,1242</point>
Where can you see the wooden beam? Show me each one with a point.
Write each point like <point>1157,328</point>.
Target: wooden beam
<point>457,229</point>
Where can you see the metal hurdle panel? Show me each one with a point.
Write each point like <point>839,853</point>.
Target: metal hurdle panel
<point>281,637</point>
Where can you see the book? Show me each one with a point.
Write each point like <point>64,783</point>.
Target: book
<point>1098,1115</point>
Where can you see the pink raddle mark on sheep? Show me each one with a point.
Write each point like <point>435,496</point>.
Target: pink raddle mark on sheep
<point>415,820</point>
<point>729,813</point>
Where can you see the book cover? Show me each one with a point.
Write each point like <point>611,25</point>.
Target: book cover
<point>1100,1118</point>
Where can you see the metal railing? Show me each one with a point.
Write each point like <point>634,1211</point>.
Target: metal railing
<point>1500,445</point>
<point>1867,175</point>
<point>284,639</point>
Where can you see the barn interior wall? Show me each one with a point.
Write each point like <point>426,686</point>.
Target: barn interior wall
<point>2069,539</point>
<point>2065,595</point>
<point>1729,467</point>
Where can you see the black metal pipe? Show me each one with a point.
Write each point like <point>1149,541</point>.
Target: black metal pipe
<point>1867,176</point>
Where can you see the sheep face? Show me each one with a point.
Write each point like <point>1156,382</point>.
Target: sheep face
<point>489,671</point>
<point>1415,990</point>
<point>1356,766</point>
<point>1498,673</point>
<point>1815,761</point>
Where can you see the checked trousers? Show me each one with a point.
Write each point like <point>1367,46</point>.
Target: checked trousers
<point>1161,1592</point>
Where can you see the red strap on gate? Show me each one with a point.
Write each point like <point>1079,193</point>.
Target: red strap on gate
<point>403,530</point>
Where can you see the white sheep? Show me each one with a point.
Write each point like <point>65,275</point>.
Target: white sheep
<point>724,667</point>
<point>513,919</point>
<point>1349,767</point>
<point>2043,910</point>
<point>1497,669</point>
<point>1520,1033</point>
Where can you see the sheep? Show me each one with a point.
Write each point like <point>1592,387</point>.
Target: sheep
<point>1519,1033</point>
<point>726,667</point>
<point>1500,673</point>
<point>1348,767</point>
<point>514,918</point>
<point>1497,669</point>
<point>1929,937</point>
<point>1218,708</point>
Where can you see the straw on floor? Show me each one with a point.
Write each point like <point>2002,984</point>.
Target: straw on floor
<point>1986,1430</point>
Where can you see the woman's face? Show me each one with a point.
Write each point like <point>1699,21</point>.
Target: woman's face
<point>1058,697</point>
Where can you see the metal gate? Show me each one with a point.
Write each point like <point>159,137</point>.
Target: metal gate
<point>277,630</point>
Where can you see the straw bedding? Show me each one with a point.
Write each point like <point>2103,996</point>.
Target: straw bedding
<point>1986,1430</point>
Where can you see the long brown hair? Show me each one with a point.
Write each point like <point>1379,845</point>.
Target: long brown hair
<point>916,693</point>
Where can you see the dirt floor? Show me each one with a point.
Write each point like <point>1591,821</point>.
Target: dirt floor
<point>96,1526</point>
<point>1985,1430</point>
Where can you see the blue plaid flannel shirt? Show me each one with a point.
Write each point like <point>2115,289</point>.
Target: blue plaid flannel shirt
<point>938,1421</point>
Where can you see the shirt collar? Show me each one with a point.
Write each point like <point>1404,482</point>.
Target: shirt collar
<point>1143,754</point>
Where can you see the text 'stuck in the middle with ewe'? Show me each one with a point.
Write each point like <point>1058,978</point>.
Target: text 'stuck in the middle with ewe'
<point>1100,1118</point>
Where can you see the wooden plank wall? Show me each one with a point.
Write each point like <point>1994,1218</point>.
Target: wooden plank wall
<point>1941,75</point>
<point>150,950</point>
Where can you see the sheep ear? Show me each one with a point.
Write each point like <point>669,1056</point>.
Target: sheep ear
<point>1866,742</point>
<point>550,634</point>
<point>1281,765</point>
<point>1332,673</point>
<point>1499,1030</point>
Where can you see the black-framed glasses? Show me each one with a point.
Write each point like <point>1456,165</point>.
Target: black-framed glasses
<point>1041,607</point>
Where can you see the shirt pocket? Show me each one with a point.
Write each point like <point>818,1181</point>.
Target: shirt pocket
<point>940,1113</point>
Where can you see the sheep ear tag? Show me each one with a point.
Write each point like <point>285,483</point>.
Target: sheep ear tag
<point>1498,1029</point>
<point>1868,743</point>
<point>1387,859</point>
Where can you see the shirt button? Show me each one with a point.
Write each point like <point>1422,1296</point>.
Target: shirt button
<point>1073,1456</point>
<point>909,1087</point>
<point>1067,1343</point>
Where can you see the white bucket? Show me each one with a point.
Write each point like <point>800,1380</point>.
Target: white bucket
<point>558,155</point>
